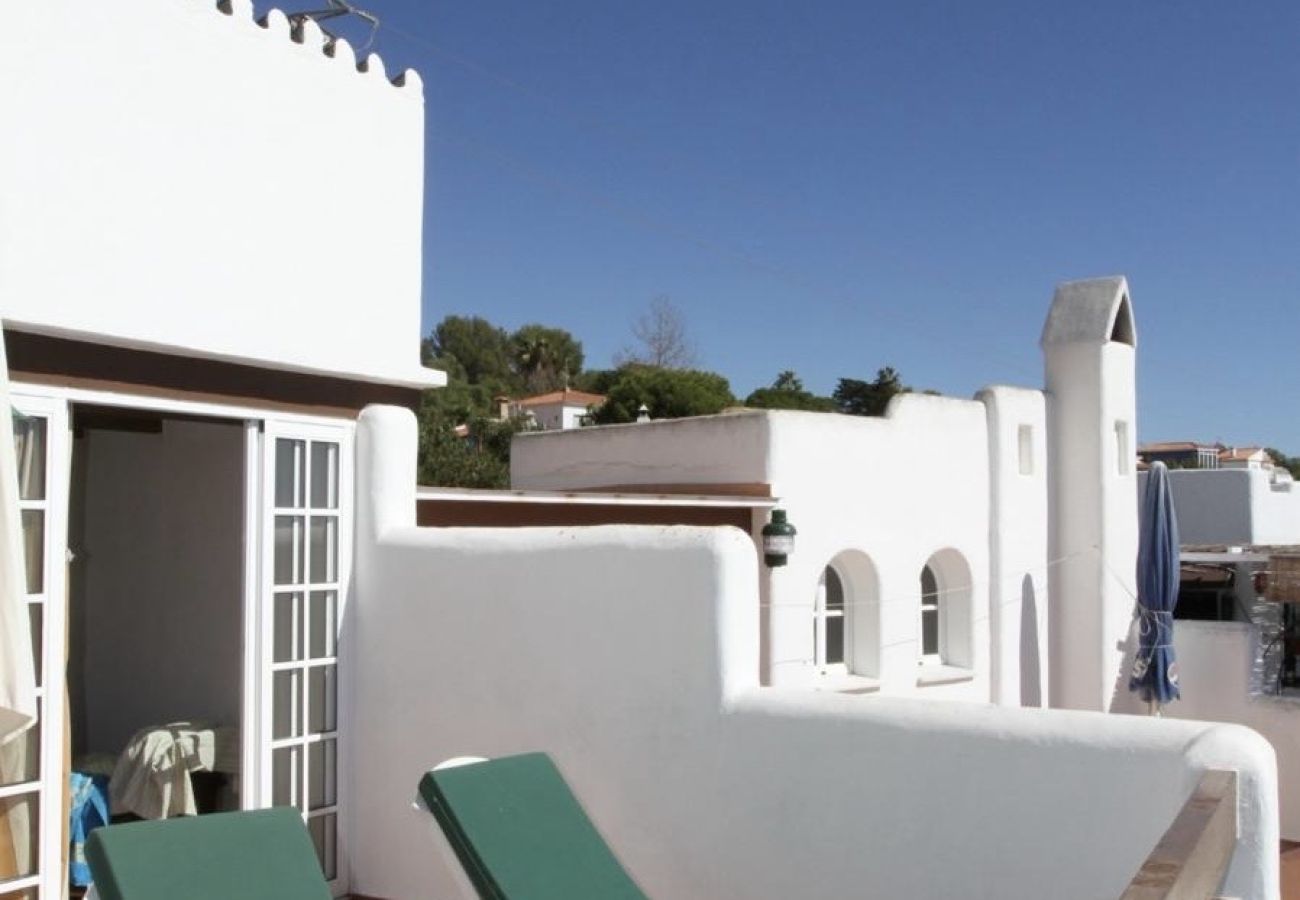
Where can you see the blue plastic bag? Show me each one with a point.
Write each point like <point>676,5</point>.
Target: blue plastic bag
<point>89,811</point>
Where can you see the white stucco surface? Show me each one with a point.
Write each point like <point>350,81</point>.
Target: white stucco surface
<point>640,679</point>
<point>1234,506</point>
<point>179,179</point>
<point>1018,560</point>
<point>1092,499</point>
<point>1021,501</point>
<point>877,498</point>
<point>885,488</point>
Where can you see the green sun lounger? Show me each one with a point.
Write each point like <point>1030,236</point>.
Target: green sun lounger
<point>264,854</point>
<point>520,834</point>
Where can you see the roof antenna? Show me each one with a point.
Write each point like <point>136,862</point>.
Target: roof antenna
<point>336,9</point>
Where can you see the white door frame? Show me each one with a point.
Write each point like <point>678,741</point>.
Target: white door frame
<point>56,401</point>
<point>51,873</point>
<point>250,736</point>
<point>307,587</point>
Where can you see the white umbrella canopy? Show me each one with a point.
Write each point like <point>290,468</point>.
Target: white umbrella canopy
<point>17,668</point>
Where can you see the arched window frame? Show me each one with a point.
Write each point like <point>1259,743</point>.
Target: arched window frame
<point>931,619</point>
<point>949,592</point>
<point>830,624</point>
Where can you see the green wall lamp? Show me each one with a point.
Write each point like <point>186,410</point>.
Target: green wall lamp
<point>778,539</point>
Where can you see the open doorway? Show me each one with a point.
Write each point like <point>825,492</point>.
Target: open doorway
<point>156,601</point>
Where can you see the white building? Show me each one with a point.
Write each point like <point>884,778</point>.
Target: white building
<point>1240,505</point>
<point>209,271</point>
<point>210,261</point>
<point>1245,458</point>
<point>562,409</point>
<point>923,562</point>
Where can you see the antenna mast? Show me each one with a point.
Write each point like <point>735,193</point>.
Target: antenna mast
<point>337,8</point>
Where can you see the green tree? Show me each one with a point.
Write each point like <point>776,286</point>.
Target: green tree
<point>787,380</point>
<point>544,358</point>
<point>472,350</point>
<point>868,398</point>
<point>483,362</point>
<point>787,392</point>
<point>596,381</point>
<point>480,460</point>
<point>1290,463</point>
<point>669,394</point>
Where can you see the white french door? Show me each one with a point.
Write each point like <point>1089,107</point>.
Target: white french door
<point>298,530</point>
<point>31,798</point>
<point>306,494</point>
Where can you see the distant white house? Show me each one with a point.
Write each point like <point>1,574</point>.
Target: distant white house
<point>1246,458</point>
<point>557,410</point>
<point>1196,455</point>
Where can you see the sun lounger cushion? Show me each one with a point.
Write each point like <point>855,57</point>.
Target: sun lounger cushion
<point>260,855</point>
<point>520,833</point>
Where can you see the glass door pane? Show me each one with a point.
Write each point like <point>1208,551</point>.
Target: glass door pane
<point>309,548</point>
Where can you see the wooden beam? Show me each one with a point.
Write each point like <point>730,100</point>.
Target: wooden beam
<point>1191,859</point>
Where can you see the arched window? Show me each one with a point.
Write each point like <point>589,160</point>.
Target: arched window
<point>846,617</point>
<point>828,620</point>
<point>931,622</point>
<point>946,611</point>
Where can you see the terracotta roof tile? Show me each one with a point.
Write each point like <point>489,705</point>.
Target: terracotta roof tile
<point>576,398</point>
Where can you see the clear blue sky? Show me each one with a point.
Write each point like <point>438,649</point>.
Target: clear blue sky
<point>833,187</point>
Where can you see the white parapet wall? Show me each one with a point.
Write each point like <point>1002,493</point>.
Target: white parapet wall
<point>1235,506</point>
<point>700,450</point>
<point>181,178</point>
<point>630,655</point>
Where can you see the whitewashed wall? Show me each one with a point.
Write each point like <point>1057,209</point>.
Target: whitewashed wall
<point>879,497</point>
<point>1091,392</point>
<point>176,178</point>
<point>640,680</point>
<point>1018,561</point>
<point>897,489</point>
<point>1234,506</point>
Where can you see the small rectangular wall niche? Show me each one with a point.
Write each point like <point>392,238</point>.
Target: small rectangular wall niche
<point>1123,456</point>
<point>1026,436</point>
